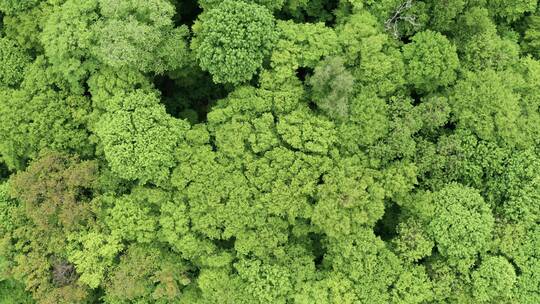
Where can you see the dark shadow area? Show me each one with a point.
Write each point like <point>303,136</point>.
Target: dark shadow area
<point>86,89</point>
<point>312,106</point>
<point>331,6</point>
<point>225,244</point>
<point>318,249</point>
<point>425,260</point>
<point>96,295</point>
<point>450,126</point>
<point>186,12</point>
<point>385,228</point>
<point>303,73</point>
<point>416,97</point>
<point>405,39</point>
<point>517,269</point>
<point>189,95</point>
<point>4,171</point>
<point>313,12</point>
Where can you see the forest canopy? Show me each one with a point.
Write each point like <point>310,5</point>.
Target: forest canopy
<point>269,151</point>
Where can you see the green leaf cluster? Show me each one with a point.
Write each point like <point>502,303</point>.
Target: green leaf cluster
<point>269,151</point>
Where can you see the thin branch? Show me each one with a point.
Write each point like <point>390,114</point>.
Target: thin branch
<point>391,24</point>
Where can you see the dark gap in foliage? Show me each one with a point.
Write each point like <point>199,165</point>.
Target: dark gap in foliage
<point>55,88</point>
<point>166,85</point>
<point>303,72</point>
<point>331,6</point>
<point>318,249</point>
<point>312,106</point>
<point>422,261</point>
<point>86,89</point>
<point>320,181</point>
<point>405,39</point>
<point>314,12</point>
<point>190,96</point>
<point>427,261</point>
<point>416,97</point>
<point>225,244</point>
<point>63,273</point>
<point>186,12</point>
<point>477,262</point>
<point>255,80</point>
<point>193,272</point>
<point>84,194</point>
<point>385,228</point>
<point>212,143</point>
<point>517,269</point>
<point>97,295</point>
<point>449,126</point>
<point>4,171</point>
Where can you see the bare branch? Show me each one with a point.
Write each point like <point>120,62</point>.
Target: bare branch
<point>391,24</point>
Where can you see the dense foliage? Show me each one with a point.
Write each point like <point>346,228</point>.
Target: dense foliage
<point>269,151</point>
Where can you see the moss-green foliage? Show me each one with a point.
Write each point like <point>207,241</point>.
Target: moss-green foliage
<point>531,38</point>
<point>494,280</point>
<point>331,86</point>
<point>431,61</point>
<point>13,60</point>
<point>487,104</point>
<point>42,118</point>
<point>461,223</point>
<point>232,40</point>
<point>512,10</point>
<point>269,151</point>
<point>140,35</point>
<point>139,137</point>
<point>15,6</point>
<point>13,293</point>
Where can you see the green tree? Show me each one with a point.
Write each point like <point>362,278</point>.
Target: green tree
<point>139,137</point>
<point>232,40</point>
<point>67,38</point>
<point>16,6</point>
<point>512,10</point>
<point>461,224</point>
<point>348,199</point>
<point>487,104</point>
<point>531,38</point>
<point>479,44</point>
<point>133,217</point>
<point>412,242</point>
<point>32,121</point>
<point>331,87</point>
<point>93,254</point>
<point>377,60</point>
<point>139,34</point>
<point>12,292</point>
<point>14,61</point>
<point>157,276</point>
<point>353,151</point>
<point>431,61</point>
<point>494,280</point>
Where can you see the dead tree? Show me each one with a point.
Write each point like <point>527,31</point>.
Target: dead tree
<point>391,25</point>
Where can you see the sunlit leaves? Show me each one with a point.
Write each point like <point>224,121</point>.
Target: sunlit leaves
<point>139,137</point>
<point>431,61</point>
<point>233,39</point>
